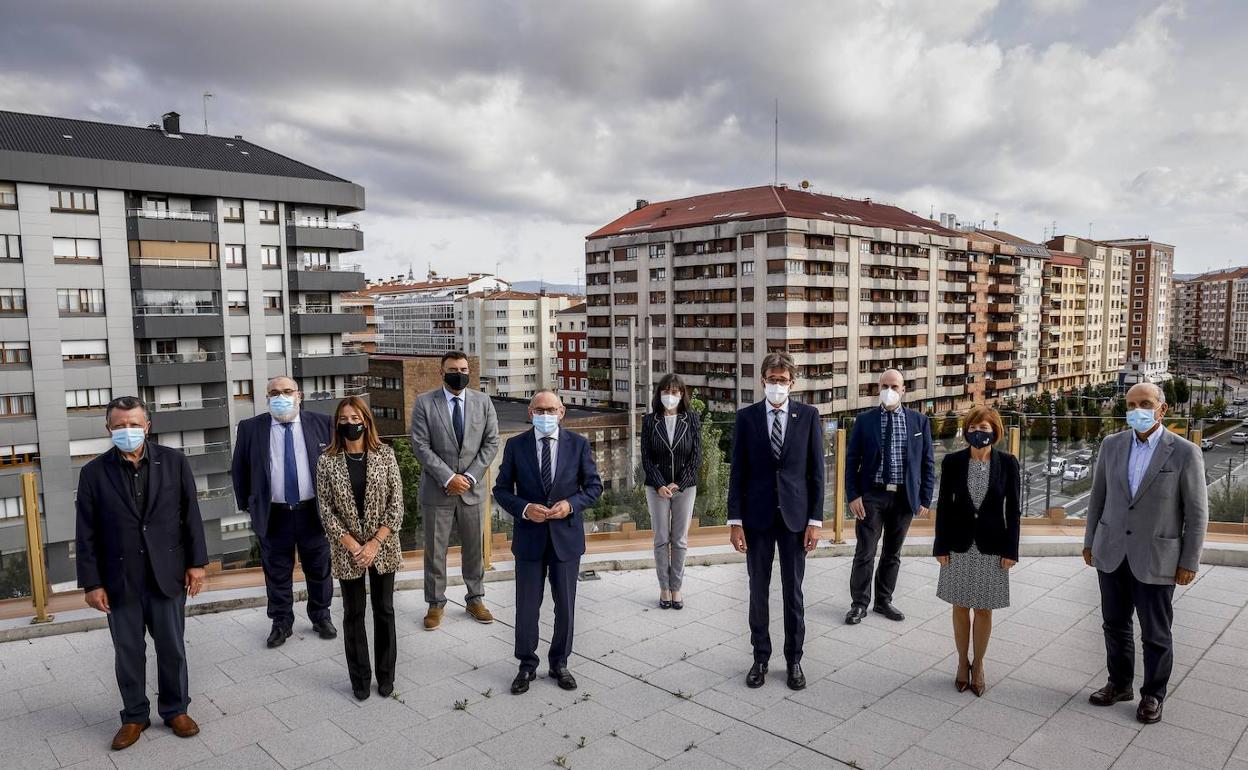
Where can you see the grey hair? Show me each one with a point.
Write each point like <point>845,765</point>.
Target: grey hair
<point>1161,394</point>
<point>779,360</point>
<point>268,385</point>
<point>125,403</point>
<point>551,391</point>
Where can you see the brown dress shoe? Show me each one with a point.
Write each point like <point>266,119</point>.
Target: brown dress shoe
<point>433,618</point>
<point>128,734</point>
<point>478,612</point>
<point>183,726</point>
<point>1149,711</point>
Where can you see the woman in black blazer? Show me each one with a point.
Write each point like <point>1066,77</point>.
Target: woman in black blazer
<point>671,455</point>
<point>977,529</point>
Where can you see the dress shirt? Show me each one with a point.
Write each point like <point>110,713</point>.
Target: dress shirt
<point>1141,455</point>
<point>554,456</point>
<point>898,419</point>
<point>783,416</point>
<point>277,461</point>
<point>450,418</point>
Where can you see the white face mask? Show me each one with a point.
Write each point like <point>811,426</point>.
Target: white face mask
<point>776,394</point>
<point>669,401</point>
<point>889,398</point>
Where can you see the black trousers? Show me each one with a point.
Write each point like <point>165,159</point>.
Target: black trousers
<point>888,514</point>
<point>531,576</point>
<point>354,635</point>
<point>760,550</point>
<point>290,531</point>
<point>1121,594</point>
<point>131,618</point>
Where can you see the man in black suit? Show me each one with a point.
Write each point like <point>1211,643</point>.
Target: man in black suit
<point>546,480</point>
<point>140,552</point>
<point>775,502</point>
<point>890,477</point>
<point>274,474</point>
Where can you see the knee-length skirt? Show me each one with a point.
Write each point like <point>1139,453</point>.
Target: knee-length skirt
<point>974,580</point>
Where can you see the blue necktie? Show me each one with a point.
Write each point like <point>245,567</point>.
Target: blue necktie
<point>548,476</point>
<point>290,473</point>
<point>457,419</point>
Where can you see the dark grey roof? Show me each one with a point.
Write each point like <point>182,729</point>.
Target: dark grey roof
<point>22,132</point>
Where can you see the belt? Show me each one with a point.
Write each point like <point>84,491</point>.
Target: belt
<point>885,487</point>
<point>299,506</point>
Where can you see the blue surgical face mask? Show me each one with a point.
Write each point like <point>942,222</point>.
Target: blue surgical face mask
<point>1142,420</point>
<point>545,424</point>
<point>281,406</point>
<point>980,438</point>
<point>128,439</point>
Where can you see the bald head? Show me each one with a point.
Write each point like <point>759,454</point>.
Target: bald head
<point>546,401</point>
<point>1145,395</point>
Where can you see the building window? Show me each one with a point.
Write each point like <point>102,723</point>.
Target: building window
<point>90,398</point>
<point>236,300</point>
<point>658,249</point>
<point>14,352</point>
<point>84,350</point>
<point>274,345</point>
<point>658,273</point>
<point>268,213</point>
<point>10,247</point>
<point>76,249</point>
<point>269,258</point>
<point>80,301</point>
<point>584,384</point>
<point>8,195</point>
<point>240,346</point>
<point>747,242</point>
<point>272,302</point>
<point>559,346</point>
<point>68,199</point>
<point>19,454</point>
<point>385,412</point>
<point>621,385</point>
<point>747,268</point>
<point>233,210</point>
<point>17,405</point>
<point>235,255</point>
<point>561,383</point>
<point>1139,279</point>
<point>12,301</point>
<point>242,390</point>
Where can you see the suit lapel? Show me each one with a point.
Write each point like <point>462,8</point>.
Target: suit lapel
<point>682,424</point>
<point>442,407</point>
<point>561,458</point>
<point>154,471</point>
<point>1162,453</point>
<point>790,427</point>
<point>1122,462</point>
<point>261,448</point>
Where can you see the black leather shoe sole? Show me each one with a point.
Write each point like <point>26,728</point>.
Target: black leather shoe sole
<point>277,640</point>
<point>520,684</point>
<point>890,612</point>
<point>567,682</point>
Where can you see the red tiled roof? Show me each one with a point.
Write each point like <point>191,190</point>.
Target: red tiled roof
<point>572,310</point>
<point>398,288</point>
<point>762,203</point>
<point>1230,274</point>
<point>1004,237</point>
<point>1066,258</point>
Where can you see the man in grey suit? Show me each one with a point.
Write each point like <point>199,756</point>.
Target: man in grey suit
<point>1146,526</point>
<point>455,437</point>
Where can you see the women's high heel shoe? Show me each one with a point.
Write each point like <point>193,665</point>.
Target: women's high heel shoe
<point>962,684</point>
<point>977,687</point>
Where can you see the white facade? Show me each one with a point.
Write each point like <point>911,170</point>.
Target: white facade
<point>513,335</point>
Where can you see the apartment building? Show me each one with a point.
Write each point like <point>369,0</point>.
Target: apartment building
<point>1150,267</point>
<point>184,268</point>
<point>419,318</point>
<point>705,286</point>
<point>1211,311</point>
<point>362,302</point>
<point>572,350</point>
<point>1020,356</point>
<point>514,334</point>
<point>1071,330</point>
<point>395,381</point>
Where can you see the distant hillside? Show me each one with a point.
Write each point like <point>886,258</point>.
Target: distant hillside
<point>555,288</point>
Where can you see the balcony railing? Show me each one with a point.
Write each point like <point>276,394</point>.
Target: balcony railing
<point>181,216</point>
<point>166,262</point>
<point>325,395</point>
<point>312,267</point>
<point>323,224</point>
<point>181,406</point>
<point>345,350</point>
<point>215,493</point>
<point>324,309</point>
<point>177,310</point>
<point>198,450</point>
<point>197,357</point>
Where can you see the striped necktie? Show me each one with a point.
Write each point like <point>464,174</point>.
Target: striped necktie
<point>777,439</point>
<point>548,473</point>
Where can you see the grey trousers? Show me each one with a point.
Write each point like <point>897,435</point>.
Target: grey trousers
<point>438,521</point>
<point>669,518</point>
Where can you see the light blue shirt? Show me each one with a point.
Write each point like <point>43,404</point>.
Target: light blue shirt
<point>277,461</point>
<point>1141,455</point>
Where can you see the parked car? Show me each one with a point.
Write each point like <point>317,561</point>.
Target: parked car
<point>1240,401</point>
<point>1206,444</point>
<point>1076,473</point>
<point>1083,457</point>
<point>1239,437</point>
<point>1057,467</point>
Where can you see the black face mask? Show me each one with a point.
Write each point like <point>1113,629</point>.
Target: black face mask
<point>456,381</point>
<point>350,430</point>
<point>980,438</point>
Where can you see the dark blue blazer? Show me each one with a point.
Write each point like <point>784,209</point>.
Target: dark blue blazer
<point>520,483</point>
<point>253,491</point>
<point>118,544</point>
<point>863,457</point>
<point>759,482</point>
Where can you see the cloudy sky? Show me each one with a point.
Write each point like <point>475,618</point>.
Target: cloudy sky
<point>497,134</point>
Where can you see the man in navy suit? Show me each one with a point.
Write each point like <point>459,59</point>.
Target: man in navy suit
<point>274,473</point>
<point>546,480</point>
<point>890,476</point>
<point>775,502</point>
<point>141,551</point>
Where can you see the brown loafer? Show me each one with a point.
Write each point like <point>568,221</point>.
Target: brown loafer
<point>183,726</point>
<point>128,734</point>
<point>433,618</point>
<point>478,612</point>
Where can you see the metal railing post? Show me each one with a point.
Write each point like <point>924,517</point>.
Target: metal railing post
<point>838,523</point>
<point>1016,441</point>
<point>34,551</point>
<point>1197,435</point>
<point>487,526</point>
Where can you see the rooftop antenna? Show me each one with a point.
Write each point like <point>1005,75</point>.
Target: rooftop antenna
<point>1089,231</point>
<point>931,214</point>
<point>995,219</point>
<point>207,96</point>
<point>776,170</point>
<point>577,272</point>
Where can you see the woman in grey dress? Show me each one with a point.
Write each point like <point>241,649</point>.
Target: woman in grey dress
<point>977,530</point>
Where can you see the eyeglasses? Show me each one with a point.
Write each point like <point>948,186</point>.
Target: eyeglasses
<point>286,392</point>
<point>778,381</point>
<point>546,410</point>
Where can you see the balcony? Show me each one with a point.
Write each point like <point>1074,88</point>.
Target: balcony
<point>1001,346</point>
<point>1002,307</point>
<point>326,401</point>
<point>177,321</point>
<point>173,226</point>
<point>155,369</point>
<point>1002,365</point>
<point>326,319</point>
<point>317,277</point>
<point>161,273</point>
<point>198,414</point>
<point>1002,384</point>
<point>1002,268</point>
<point>324,363</point>
<point>207,458</point>
<point>317,233</point>
<point>1002,326</point>
<point>216,503</point>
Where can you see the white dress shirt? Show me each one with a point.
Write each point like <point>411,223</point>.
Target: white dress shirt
<point>1140,456</point>
<point>450,417</point>
<point>277,461</point>
<point>554,458</point>
<point>783,416</point>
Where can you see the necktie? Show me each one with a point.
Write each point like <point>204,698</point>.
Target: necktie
<point>457,420</point>
<point>290,471</point>
<point>548,475</point>
<point>888,448</point>
<point>777,439</point>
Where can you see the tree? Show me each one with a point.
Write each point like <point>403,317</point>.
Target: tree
<point>1182,390</point>
<point>409,469</point>
<point>712,502</point>
<point>14,576</point>
<point>1167,389</point>
<point>1217,408</point>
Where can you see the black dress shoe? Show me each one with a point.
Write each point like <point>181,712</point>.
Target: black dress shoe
<point>1109,695</point>
<point>325,628</point>
<point>278,637</point>
<point>1149,711</point>
<point>564,678</point>
<point>855,615</point>
<point>757,676</point>
<point>797,680</point>
<point>520,684</point>
<point>361,692</point>
<point>385,690</point>
<point>677,605</point>
<point>665,604</point>
<point>889,611</point>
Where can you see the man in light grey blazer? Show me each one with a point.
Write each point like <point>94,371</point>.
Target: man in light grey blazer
<point>1146,526</point>
<point>455,437</point>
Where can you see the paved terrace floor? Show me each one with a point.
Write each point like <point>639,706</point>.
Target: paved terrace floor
<point>665,687</point>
